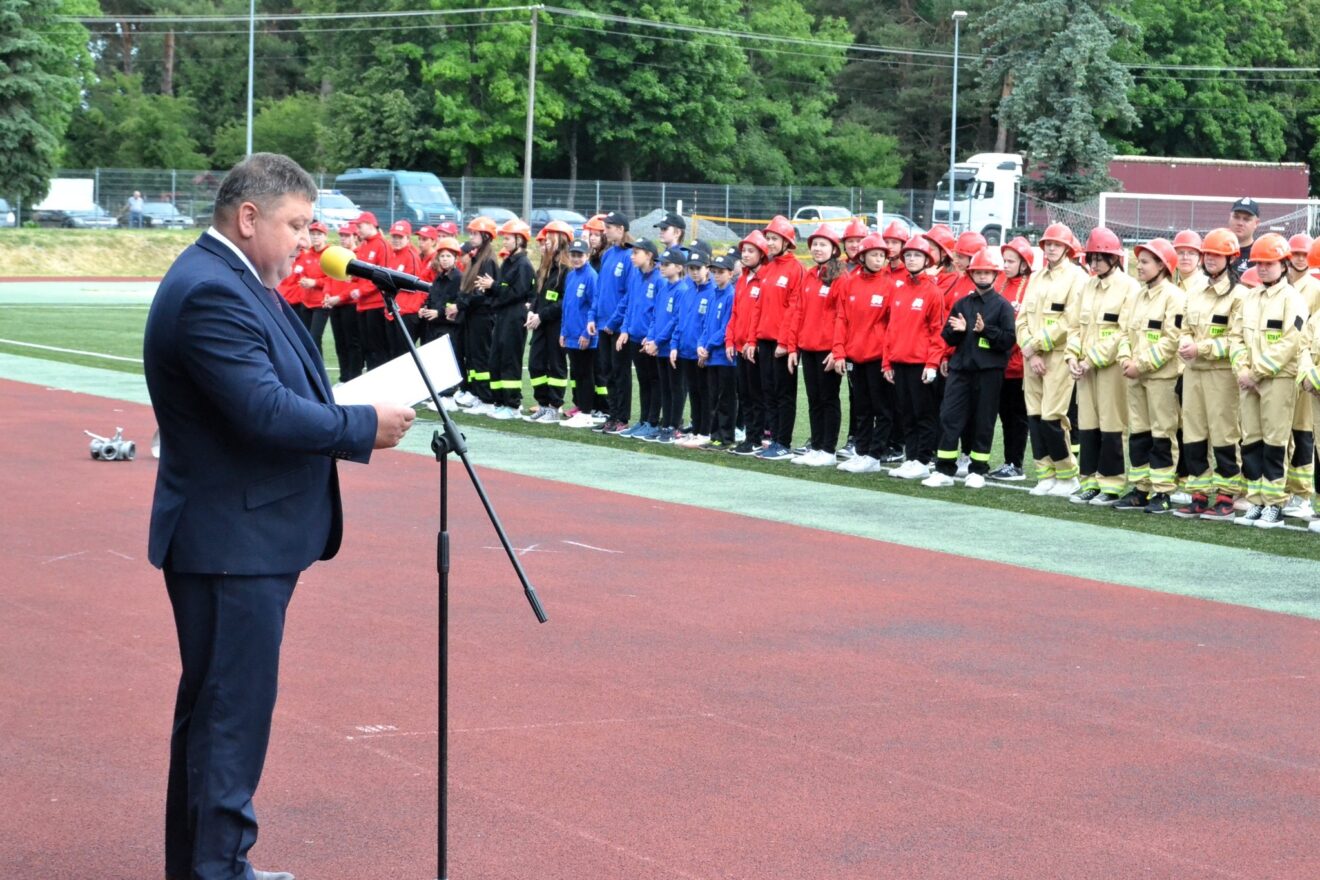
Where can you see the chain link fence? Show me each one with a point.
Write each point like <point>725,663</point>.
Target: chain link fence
<point>193,192</point>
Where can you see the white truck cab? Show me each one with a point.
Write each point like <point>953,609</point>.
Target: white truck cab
<point>985,195</point>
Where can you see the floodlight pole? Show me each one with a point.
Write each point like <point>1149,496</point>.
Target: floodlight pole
<point>531,107</point>
<point>958,16</point>
<point>252,42</point>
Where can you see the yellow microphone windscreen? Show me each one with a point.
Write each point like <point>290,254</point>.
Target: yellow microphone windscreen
<point>335,260</point>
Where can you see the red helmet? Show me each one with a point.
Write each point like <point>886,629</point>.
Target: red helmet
<point>1250,278</point>
<point>1059,233</point>
<point>553,226</point>
<point>969,244</point>
<point>757,240</point>
<point>1022,248</point>
<point>1162,250</point>
<point>1222,242</point>
<point>1300,243</point>
<point>896,231</point>
<point>784,228</point>
<point>449,227</point>
<point>1270,248</point>
<point>1187,239</point>
<point>483,224</point>
<point>1104,241</point>
<point>824,231</point>
<point>942,236</point>
<point>987,259</point>
<point>1313,255</point>
<point>922,245</point>
<point>518,227</point>
<point>856,229</point>
<point>873,242</point>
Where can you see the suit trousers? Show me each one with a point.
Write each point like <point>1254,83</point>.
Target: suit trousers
<point>230,629</point>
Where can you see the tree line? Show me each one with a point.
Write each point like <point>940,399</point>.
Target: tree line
<point>857,92</point>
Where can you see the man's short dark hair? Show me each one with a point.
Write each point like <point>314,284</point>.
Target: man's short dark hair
<point>262,178</point>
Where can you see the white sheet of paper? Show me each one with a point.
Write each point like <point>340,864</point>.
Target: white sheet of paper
<point>398,381</point>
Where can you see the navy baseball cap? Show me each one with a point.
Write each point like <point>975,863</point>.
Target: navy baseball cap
<point>614,218</point>
<point>1248,205</point>
<point>728,262</point>
<point>698,257</point>
<point>579,246</point>
<point>675,256</point>
<point>644,244</point>
<point>675,220</point>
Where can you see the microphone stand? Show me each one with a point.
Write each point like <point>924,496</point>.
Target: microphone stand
<point>443,442</point>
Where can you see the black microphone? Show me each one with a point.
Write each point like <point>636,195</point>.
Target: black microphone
<point>338,263</point>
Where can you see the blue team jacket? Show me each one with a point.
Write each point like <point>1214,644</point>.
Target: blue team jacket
<point>633,314</point>
<point>715,325</point>
<point>692,307</point>
<point>579,296</point>
<point>665,320</point>
<point>615,275</point>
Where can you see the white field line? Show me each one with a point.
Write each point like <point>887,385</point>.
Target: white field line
<point>94,354</point>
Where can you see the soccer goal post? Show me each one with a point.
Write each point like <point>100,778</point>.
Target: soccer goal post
<point>1138,217</point>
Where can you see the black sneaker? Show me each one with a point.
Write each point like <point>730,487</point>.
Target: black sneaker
<point>893,455</point>
<point>1271,517</point>
<point>848,451</point>
<point>1007,472</point>
<point>1200,504</point>
<point>1134,500</point>
<point>1159,503</point>
<point>1105,499</point>
<point>1085,496</point>
<point>605,427</point>
<point>1251,517</point>
<point>1221,510</point>
<point>747,447</point>
<point>803,449</point>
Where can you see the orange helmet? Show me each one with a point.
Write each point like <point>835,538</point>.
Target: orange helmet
<point>1162,250</point>
<point>483,224</point>
<point>1104,241</point>
<point>1022,248</point>
<point>824,231</point>
<point>517,227</point>
<point>987,259</point>
<point>942,236</point>
<point>1222,242</point>
<point>757,240</point>
<point>969,244</point>
<point>1313,255</point>
<point>1059,233</point>
<point>873,242</point>
<point>783,227</point>
<point>922,245</point>
<point>1300,243</point>
<point>1250,278</point>
<point>1270,248</point>
<point>856,229</point>
<point>1188,239</point>
<point>558,226</point>
<point>595,224</point>
<point>449,244</point>
<point>896,231</point>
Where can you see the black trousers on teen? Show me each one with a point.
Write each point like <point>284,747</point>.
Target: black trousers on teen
<point>823,407</point>
<point>582,368</point>
<point>694,380</point>
<point>751,401</point>
<point>868,381</point>
<point>722,394</point>
<point>970,405</point>
<point>1013,421</point>
<point>916,408</point>
<point>779,391</point>
<point>648,382</point>
<point>348,344</point>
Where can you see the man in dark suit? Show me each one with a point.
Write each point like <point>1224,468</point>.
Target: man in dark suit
<point>247,496</point>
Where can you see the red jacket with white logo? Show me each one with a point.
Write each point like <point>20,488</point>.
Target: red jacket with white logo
<point>912,319</point>
<point>1013,290</point>
<point>859,334</point>
<point>376,251</point>
<point>810,326</point>
<point>781,283</point>
<point>308,265</point>
<point>746,290</point>
<point>409,262</point>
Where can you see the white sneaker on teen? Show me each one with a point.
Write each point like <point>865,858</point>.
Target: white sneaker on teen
<point>938,480</point>
<point>864,464</point>
<point>975,481</point>
<point>1064,488</point>
<point>964,466</point>
<point>1044,487</point>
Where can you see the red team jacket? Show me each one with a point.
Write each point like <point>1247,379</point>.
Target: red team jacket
<point>859,334</point>
<point>307,265</point>
<point>912,319</point>
<point>408,261</point>
<point>746,291</point>
<point>1014,288</point>
<point>374,250</point>
<point>810,325</point>
<point>781,282</point>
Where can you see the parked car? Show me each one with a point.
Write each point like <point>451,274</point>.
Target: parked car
<point>7,216</point>
<point>416,196</point>
<point>92,217</point>
<point>334,208</point>
<point>499,215</point>
<point>542,216</point>
<point>808,218</point>
<point>161,215</point>
<point>879,224</point>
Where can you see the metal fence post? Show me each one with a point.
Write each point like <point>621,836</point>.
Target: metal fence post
<point>664,203</point>
<point>597,208</point>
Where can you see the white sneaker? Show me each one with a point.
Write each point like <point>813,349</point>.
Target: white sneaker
<point>1299,508</point>
<point>1044,487</point>
<point>901,470</point>
<point>1314,526</point>
<point>1064,488</point>
<point>964,465</point>
<point>503,413</point>
<point>449,404</point>
<point>481,409</point>
<point>466,398</point>
<point>739,435</point>
<point>581,420</point>
<point>1180,498</point>
<point>549,414</point>
<point>975,481</point>
<point>822,459</point>
<point>938,480</point>
<point>864,464</point>
<point>917,471</point>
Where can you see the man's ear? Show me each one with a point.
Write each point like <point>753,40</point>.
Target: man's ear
<point>246,219</point>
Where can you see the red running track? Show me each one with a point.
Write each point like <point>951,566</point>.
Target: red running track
<point>718,697</point>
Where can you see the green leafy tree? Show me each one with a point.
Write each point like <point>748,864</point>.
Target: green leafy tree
<point>120,127</point>
<point>42,59</point>
<point>1052,62</point>
<point>292,126</point>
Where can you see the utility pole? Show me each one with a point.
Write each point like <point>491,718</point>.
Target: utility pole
<point>531,108</point>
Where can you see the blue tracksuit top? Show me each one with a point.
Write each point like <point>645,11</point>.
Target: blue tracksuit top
<point>633,315</point>
<point>614,277</point>
<point>692,306</point>
<point>715,325</point>
<point>579,294</point>
<point>665,321</point>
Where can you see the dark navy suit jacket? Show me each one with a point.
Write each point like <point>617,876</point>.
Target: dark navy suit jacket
<point>249,432</point>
